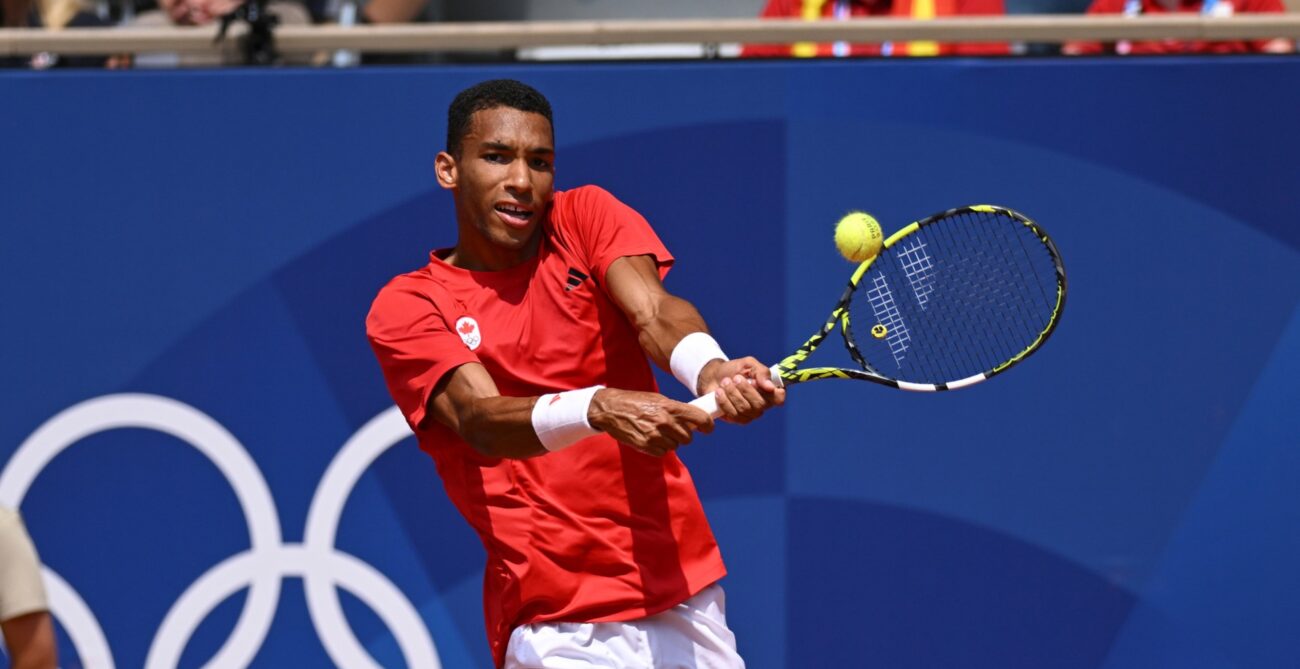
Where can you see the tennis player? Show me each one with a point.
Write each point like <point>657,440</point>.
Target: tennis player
<point>518,357</point>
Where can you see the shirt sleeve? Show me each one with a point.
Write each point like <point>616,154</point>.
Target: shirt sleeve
<point>605,230</point>
<point>414,345</point>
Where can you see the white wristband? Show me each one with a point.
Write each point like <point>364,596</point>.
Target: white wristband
<point>691,354</point>
<point>560,419</point>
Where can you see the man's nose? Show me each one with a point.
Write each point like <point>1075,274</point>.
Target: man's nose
<point>517,178</point>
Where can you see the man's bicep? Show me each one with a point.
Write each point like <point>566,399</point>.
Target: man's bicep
<point>456,391</point>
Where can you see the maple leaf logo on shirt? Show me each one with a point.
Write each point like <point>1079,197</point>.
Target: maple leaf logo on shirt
<point>469,333</point>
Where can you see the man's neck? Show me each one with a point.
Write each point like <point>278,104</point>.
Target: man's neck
<point>475,253</point>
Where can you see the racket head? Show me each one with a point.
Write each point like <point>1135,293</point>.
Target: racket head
<point>951,300</point>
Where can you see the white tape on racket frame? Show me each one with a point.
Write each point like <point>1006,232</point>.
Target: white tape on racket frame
<point>709,403</point>
<point>968,381</point>
<point>930,387</point>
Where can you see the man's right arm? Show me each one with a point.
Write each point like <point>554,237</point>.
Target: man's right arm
<point>467,401</point>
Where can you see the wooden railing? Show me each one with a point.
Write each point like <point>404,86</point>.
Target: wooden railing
<point>514,35</point>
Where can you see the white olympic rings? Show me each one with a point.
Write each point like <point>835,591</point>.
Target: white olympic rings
<point>262,566</point>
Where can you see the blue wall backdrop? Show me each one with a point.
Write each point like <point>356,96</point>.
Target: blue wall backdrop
<point>188,258</point>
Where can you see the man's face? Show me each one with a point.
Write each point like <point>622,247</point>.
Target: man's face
<point>504,177</point>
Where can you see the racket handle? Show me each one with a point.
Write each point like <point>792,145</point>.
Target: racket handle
<point>709,403</point>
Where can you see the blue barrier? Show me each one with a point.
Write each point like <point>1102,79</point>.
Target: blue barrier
<point>188,258</point>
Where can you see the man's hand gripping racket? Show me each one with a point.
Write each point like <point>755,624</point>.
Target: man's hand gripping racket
<point>949,301</point>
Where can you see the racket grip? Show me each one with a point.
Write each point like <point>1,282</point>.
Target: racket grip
<point>709,402</point>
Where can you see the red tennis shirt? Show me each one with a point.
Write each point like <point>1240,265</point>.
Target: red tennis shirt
<point>595,532</point>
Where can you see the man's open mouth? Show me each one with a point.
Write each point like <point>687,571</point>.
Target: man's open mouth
<point>515,214</point>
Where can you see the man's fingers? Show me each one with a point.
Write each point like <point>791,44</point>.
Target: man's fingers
<point>764,380</point>
<point>678,434</point>
<point>758,373</point>
<point>696,418</point>
<point>744,396</point>
<point>724,401</point>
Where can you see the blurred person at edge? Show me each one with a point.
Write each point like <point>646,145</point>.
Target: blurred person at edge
<point>24,612</point>
<point>1209,8</point>
<point>814,10</point>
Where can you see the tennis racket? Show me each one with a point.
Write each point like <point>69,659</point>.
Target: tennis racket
<point>950,300</point>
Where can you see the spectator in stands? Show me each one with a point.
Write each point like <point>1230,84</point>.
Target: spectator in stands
<point>203,13</point>
<point>392,11</point>
<point>13,13</point>
<point>54,15</point>
<point>24,615</point>
<point>1213,8</point>
<point>842,9</point>
<point>351,12</point>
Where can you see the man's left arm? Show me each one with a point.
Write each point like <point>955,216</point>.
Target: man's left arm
<point>662,320</point>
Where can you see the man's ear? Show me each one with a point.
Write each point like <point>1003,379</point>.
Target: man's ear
<point>445,168</point>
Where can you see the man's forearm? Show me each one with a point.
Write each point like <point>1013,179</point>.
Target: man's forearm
<point>661,331</point>
<point>662,320</point>
<point>499,427</point>
<point>524,427</point>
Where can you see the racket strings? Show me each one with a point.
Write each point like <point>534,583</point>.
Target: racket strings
<point>964,352</point>
<point>969,292</point>
<point>970,352</point>
<point>926,366</point>
<point>993,279</point>
<point>1012,312</point>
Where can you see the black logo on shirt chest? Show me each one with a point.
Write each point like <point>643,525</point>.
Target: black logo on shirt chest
<point>575,279</point>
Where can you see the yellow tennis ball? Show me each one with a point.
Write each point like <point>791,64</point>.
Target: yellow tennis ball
<point>858,236</point>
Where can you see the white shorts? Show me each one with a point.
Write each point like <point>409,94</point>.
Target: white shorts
<point>691,635</point>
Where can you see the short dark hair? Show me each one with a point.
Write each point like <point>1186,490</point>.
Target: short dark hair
<point>490,95</point>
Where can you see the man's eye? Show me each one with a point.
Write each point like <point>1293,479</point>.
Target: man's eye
<point>540,164</point>
<point>494,158</point>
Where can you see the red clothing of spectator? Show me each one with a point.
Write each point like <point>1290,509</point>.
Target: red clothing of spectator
<point>880,8</point>
<point>1216,8</point>
<point>596,532</point>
